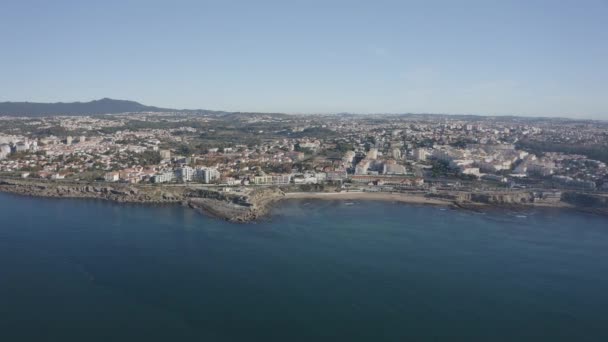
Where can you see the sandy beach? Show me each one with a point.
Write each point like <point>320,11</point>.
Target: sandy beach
<point>377,196</point>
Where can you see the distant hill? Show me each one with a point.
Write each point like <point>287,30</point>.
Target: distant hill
<point>111,106</point>
<point>96,107</point>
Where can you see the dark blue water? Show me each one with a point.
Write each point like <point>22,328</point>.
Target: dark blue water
<point>75,270</point>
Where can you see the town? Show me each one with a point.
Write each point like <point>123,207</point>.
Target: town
<point>354,152</point>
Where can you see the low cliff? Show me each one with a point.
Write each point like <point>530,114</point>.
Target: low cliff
<point>495,198</point>
<point>502,198</point>
<point>597,203</point>
<point>114,192</point>
<point>234,207</point>
<point>237,207</point>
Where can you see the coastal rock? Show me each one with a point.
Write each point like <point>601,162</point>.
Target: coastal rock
<point>255,203</point>
<point>595,203</point>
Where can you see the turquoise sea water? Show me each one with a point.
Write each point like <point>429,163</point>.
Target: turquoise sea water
<point>85,270</point>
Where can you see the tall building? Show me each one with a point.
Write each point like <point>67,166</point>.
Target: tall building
<point>164,177</point>
<point>372,154</point>
<point>349,156</point>
<point>82,139</point>
<point>362,167</point>
<point>396,154</point>
<point>185,173</point>
<point>68,140</point>
<point>207,175</point>
<point>5,150</point>
<point>420,154</point>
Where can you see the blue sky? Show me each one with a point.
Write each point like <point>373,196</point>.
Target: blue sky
<point>547,58</point>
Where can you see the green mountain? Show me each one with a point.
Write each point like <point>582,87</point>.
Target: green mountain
<point>96,107</point>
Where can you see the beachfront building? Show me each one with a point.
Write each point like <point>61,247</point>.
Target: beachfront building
<point>305,178</point>
<point>185,174</point>
<point>336,176</point>
<point>388,180</point>
<point>390,167</point>
<point>272,180</point>
<point>362,167</point>
<point>207,175</point>
<point>163,177</point>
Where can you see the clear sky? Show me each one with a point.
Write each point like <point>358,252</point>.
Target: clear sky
<point>526,57</point>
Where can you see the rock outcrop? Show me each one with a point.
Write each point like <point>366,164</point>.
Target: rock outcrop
<point>596,203</point>
<point>236,207</point>
<point>494,198</point>
<point>115,192</point>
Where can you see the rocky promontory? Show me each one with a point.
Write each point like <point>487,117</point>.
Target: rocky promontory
<point>232,206</point>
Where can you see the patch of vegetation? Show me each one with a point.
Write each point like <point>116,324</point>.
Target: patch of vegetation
<point>315,132</point>
<point>598,152</point>
<point>149,158</point>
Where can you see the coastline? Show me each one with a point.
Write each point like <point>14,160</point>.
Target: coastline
<point>375,196</point>
<point>423,199</point>
<point>252,204</point>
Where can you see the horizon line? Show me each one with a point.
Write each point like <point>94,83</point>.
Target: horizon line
<point>531,116</point>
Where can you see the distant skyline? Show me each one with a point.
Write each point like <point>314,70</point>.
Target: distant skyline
<point>535,58</point>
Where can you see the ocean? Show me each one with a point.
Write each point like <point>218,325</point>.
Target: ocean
<point>89,270</point>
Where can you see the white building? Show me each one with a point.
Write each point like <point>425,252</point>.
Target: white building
<point>22,146</point>
<point>393,169</point>
<point>349,156</point>
<point>185,173</point>
<point>5,150</point>
<point>372,154</point>
<point>207,175</point>
<point>272,180</point>
<point>57,176</point>
<point>306,178</point>
<point>362,167</point>
<point>112,177</point>
<point>420,154</point>
<point>338,175</point>
<point>396,154</point>
<point>164,177</point>
<point>471,171</point>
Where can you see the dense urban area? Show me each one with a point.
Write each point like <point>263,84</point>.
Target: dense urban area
<point>354,151</point>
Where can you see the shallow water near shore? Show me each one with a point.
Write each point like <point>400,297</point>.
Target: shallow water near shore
<point>87,270</point>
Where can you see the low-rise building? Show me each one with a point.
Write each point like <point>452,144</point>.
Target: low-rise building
<point>111,177</point>
<point>272,180</point>
<point>165,154</point>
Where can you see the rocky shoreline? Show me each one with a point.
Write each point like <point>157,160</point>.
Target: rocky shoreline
<point>256,203</point>
<point>234,207</point>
